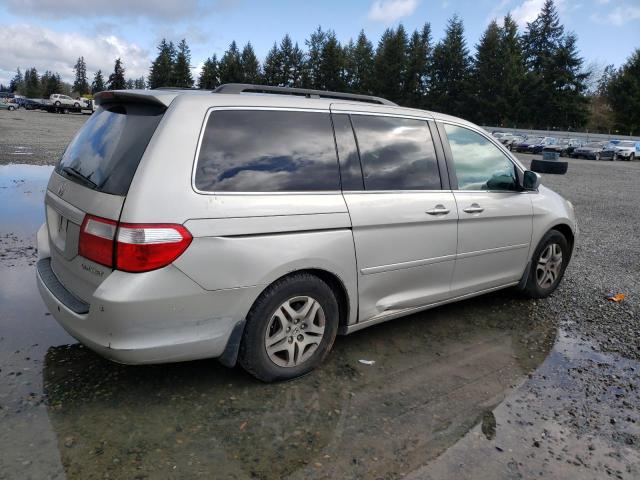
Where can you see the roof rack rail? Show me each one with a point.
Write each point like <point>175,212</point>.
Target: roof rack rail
<point>175,88</point>
<point>302,92</point>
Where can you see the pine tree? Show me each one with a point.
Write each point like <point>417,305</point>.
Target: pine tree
<point>291,63</point>
<point>130,84</point>
<point>360,65</point>
<point>98,84</point>
<point>487,77</point>
<point>418,66</point>
<point>209,76</point>
<point>249,65</point>
<point>390,64</point>
<point>17,82</point>
<point>139,83</point>
<point>271,69</point>
<point>230,68</point>
<point>513,74</point>
<point>161,72</point>
<point>332,65</point>
<point>449,92</point>
<point>313,59</point>
<point>32,83</point>
<point>80,84</point>
<point>181,67</point>
<point>623,93</point>
<point>116,79</point>
<point>569,100</point>
<point>50,83</point>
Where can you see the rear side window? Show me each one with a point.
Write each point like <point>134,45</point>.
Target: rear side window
<point>396,153</point>
<point>108,148</point>
<point>267,151</point>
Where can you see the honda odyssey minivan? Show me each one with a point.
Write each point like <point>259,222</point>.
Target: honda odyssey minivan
<point>254,224</point>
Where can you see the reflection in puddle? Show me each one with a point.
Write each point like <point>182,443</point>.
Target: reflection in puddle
<point>434,377</point>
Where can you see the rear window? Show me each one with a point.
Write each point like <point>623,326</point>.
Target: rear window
<point>108,148</point>
<point>267,151</point>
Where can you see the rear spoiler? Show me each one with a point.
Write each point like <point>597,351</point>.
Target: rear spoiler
<point>154,97</point>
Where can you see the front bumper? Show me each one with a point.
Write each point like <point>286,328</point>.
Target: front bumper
<point>154,317</point>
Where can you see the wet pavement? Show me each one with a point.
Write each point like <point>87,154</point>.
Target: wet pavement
<point>470,390</point>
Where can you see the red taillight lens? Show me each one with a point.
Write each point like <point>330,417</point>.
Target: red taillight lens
<point>135,247</point>
<point>96,239</point>
<point>140,248</point>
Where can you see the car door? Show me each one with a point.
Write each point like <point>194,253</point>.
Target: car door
<point>404,223</point>
<point>495,217</point>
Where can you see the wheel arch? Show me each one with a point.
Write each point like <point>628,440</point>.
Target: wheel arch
<point>230,355</point>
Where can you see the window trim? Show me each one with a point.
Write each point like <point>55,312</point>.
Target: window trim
<point>444,186</point>
<point>258,108</point>
<point>453,178</point>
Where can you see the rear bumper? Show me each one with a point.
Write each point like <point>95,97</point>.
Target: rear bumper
<point>154,317</point>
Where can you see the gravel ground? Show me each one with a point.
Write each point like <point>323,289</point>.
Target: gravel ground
<point>36,137</point>
<point>472,390</point>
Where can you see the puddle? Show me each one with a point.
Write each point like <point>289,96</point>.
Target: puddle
<point>67,413</point>
<point>21,197</point>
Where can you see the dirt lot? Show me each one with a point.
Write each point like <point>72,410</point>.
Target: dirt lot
<point>493,387</point>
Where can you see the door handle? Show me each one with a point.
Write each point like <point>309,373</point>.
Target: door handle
<point>474,208</point>
<point>438,210</point>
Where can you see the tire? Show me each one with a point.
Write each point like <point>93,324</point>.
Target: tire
<point>549,166</point>
<point>269,320</point>
<point>542,280</point>
<point>57,104</point>
<point>11,109</point>
<point>614,157</point>
<point>597,157</point>
<point>632,157</point>
<point>76,105</point>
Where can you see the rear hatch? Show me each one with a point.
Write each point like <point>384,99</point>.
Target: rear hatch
<point>93,177</point>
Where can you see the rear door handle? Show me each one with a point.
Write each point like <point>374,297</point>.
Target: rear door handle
<point>474,208</point>
<point>438,210</point>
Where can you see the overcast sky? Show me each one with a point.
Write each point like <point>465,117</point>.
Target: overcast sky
<point>52,34</point>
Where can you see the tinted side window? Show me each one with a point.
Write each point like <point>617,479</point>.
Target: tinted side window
<point>267,151</point>
<point>479,164</point>
<point>396,153</point>
<point>350,170</point>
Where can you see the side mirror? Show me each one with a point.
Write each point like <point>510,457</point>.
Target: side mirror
<point>530,180</point>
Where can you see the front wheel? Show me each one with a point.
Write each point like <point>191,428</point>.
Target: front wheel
<point>57,104</point>
<point>548,264</point>
<point>76,105</point>
<point>290,328</point>
<point>597,157</point>
<point>632,157</point>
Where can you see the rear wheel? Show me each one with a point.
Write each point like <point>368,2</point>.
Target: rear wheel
<point>548,264</point>
<point>76,105</point>
<point>632,157</point>
<point>290,328</point>
<point>597,157</point>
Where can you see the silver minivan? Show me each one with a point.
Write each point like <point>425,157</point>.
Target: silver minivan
<point>254,224</point>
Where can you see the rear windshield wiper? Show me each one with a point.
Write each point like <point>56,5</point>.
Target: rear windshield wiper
<point>72,172</point>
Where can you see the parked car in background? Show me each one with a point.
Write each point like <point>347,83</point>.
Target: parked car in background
<point>8,106</point>
<point>544,143</point>
<point>564,145</point>
<point>590,151</point>
<point>31,103</point>
<point>622,150</point>
<point>528,142</point>
<point>513,141</point>
<point>59,100</point>
<point>272,198</point>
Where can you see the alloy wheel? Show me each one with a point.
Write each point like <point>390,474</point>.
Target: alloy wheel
<point>295,331</point>
<point>549,266</point>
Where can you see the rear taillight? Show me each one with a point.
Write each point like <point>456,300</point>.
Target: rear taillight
<point>140,248</point>
<point>96,239</point>
<point>132,247</point>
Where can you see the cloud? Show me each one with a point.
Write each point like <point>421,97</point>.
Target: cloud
<point>623,14</point>
<point>165,10</point>
<point>528,10</point>
<point>388,11</point>
<point>28,46</point>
